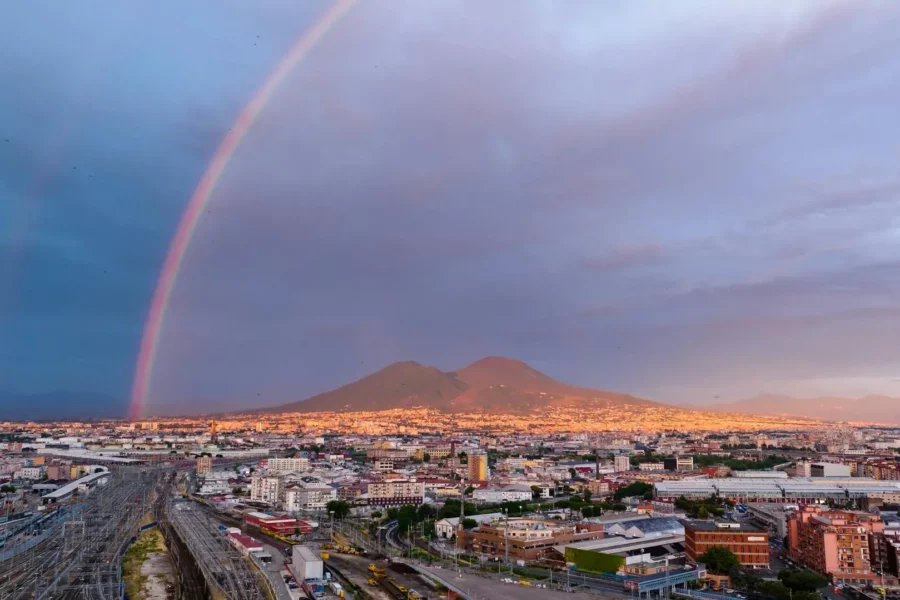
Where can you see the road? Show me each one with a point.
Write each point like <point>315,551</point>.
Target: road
<point>482,588</point>
<point>275,571</point>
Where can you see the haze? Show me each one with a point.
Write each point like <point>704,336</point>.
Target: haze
<point>690,202</point>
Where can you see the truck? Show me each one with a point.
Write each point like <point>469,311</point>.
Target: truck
<point>306,564</point>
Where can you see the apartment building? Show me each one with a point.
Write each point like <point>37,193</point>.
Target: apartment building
<point>835,543</point>
<point>288,465</point>
<point>478,467</point>
<point>621,463</point>
<point>599,487</point>
<point>204,464</point>
<point>748,543</point>
<point>266,488</point>
<point>396,493</point>
<point>313,497</point>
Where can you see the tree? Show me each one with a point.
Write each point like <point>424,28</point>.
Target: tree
<point>702,513</point>
<point>719,560</point>
<point>587,495</point>
<point>426,457</point>
<point>468,523</point>
<point>340,508</point>
<point>8,489</point>
<point>802,581</point>
<point>376,514</point>
<point>463,458</point>
<point>638,488</point>
<point>573,474</point>
<point>535,492</point>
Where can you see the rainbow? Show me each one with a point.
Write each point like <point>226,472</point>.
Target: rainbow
<point>188,223</point>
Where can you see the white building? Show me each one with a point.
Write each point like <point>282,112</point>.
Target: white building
<point>622,463</point>
<point>830,470</point>
<point>266,488</point>
<point>311,497</point>
<point>33,473</point>
<point>652,466</point>
<point>510,493</point>
<point>446,528</point>
<point>396,493</point>
<point>288,465</point>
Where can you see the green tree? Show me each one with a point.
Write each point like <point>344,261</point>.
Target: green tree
<point>637,488</point>
<point>468,523</point>
<point>802,581</point>
<point>340,508</point>
<point>426,457</point>
<point>535,492</point>
<point>703,512</point>
<point>463,458</point>
<point>376,514</point>
<point>719,560</point>
<point>587,495</point>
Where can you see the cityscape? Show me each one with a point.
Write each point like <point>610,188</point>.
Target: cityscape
<point>450,299</point>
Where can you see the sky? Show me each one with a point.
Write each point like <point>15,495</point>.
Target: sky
<point>693,202</point>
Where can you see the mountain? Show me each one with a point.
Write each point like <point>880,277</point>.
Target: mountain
<point>399,385</point>
<point>493,384</point>
<point>872,408</point>
<point>61,404</point>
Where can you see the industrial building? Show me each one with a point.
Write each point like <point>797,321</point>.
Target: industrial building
<point>99,477</point>
<point>775,490</point>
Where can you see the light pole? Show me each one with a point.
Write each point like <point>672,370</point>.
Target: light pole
<point>331,526</point>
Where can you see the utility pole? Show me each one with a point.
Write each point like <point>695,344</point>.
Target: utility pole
<point>506,537</point>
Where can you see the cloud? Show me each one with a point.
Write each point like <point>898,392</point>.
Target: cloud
<point>626,258</point>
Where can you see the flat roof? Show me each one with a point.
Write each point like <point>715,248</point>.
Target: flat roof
<point>619,545</point>
<point>726,527</point>
<point>68,489</point>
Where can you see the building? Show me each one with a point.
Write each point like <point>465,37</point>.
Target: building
<point>446,528</point>
<point>771,516</point>
<point>829,470</point>
<point>679,463</point>
<point>204,464</point>
<point>652,466</point>
<point>32,473</point>
<point>288,465</point>
<point>478,467</point>
<point>598,487</point>
<point>803,468</point>
<point>384,465</point>
<point>528,540</point>
<point>621,463</point>
<point>834,543</point>
<point>748,543</point>
<point>266,488</point>
<point>509,493</point>
<point>396,493</point>
<point>279,525</point>
<point>308,497</point>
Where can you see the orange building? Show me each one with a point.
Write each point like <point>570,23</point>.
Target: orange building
<point>749,544</point>
<point>834,543</point>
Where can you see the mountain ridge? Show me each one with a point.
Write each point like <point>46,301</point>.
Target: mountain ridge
<point>492,384</point>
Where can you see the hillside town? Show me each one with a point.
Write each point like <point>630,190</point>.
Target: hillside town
<point>614,513</point>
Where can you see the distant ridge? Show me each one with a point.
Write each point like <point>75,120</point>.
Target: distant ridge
<point>872,408</point>
<point>493,384</point>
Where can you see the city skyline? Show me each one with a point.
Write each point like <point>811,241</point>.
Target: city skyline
<point>690,214</point>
